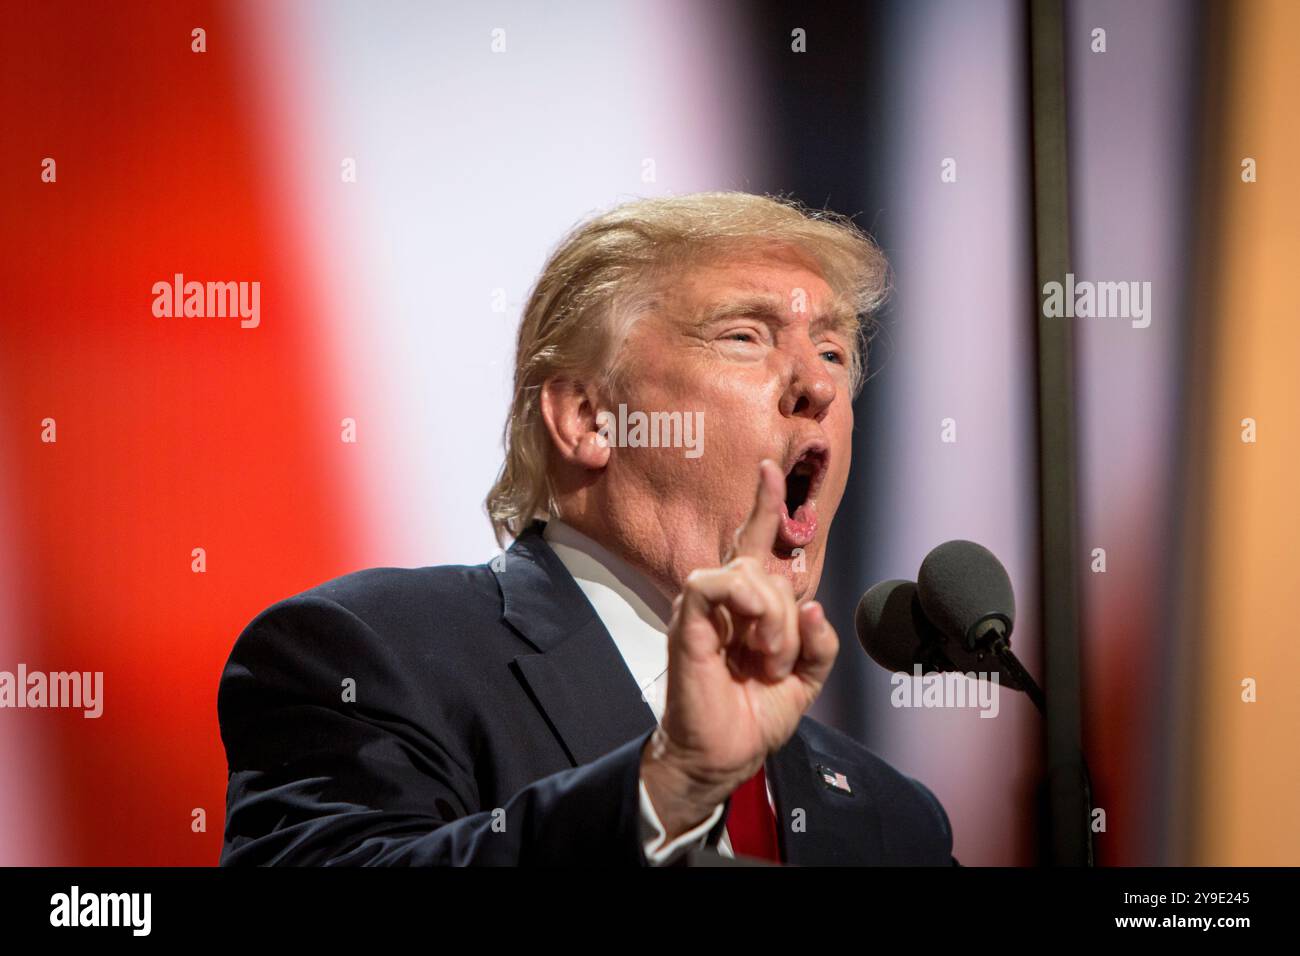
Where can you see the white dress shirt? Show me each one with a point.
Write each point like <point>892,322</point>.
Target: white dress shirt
<point>636,616</point>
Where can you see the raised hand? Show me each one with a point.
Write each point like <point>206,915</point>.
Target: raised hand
<point>744,664</point>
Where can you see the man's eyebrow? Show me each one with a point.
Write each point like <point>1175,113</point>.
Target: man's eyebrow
<point>837,317</point>
<point>757,304</point>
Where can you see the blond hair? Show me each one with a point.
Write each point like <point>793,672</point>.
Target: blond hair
<point>611,268</point>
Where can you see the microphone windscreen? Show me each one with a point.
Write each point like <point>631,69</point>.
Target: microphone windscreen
<point>887,626</point>
<point>962,583</point>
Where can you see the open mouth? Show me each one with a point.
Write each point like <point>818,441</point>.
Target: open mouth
<point>803,479</point>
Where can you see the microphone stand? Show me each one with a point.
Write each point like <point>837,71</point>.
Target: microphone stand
<point>992,636</point>
<point>1001,648</point>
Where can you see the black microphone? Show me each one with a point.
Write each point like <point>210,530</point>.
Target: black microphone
<point>893,629</point>
<point>957,616</point>
<point>895,632</point>
<point>966,593</point>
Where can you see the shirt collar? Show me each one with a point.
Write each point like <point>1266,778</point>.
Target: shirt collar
<point>632,609</point>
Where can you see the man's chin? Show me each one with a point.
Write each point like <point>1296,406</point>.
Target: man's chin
<point>800,569</point>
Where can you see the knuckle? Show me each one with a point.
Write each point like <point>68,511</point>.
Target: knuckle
<point>695,580</point>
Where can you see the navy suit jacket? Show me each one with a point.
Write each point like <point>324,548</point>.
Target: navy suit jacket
<point>483,715</point>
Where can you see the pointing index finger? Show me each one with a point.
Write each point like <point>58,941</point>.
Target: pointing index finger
<point>757,535</point>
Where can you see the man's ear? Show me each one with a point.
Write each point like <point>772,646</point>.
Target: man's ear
<point>575,422</point>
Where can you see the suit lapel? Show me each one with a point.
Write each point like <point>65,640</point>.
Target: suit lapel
<point>577,677</point>
<point>834,827</point>
<point>588,697</point>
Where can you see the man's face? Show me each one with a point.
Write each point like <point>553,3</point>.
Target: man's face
<point>755,344</point>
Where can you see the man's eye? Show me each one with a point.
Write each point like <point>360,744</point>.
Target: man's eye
<point>834,356</point>
<point>741,336</point>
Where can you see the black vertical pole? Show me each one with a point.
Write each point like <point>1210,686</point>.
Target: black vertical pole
<point>1068,842</point>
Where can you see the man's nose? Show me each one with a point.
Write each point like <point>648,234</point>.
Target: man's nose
<point>811,389</point>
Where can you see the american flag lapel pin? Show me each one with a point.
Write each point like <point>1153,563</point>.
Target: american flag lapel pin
<point>833,779</point>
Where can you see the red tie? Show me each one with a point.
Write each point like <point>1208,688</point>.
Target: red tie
<point>751,824</point>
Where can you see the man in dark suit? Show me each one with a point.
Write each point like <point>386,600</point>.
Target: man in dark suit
<point>630,680</point>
